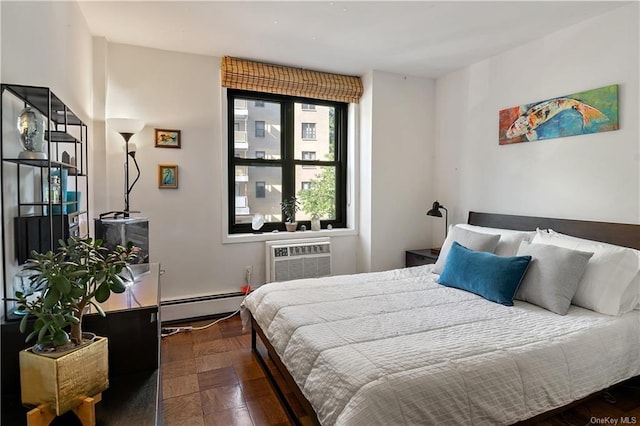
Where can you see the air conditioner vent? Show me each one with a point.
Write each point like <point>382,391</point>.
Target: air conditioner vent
<point>295,259</point>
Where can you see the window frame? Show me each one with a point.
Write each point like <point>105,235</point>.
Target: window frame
<point>287,161</point>
<point>308,166</point>
<point>263,129</point>
<point>302,155</point>
<point>263,189</point>
<point>305,125</point>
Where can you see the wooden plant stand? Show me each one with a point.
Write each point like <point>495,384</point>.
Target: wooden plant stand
<point>85,410</point>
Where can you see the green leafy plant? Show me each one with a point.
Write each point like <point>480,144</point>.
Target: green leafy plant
<point>319,200</point>
<point>80,273</point>
<point>290,207</point>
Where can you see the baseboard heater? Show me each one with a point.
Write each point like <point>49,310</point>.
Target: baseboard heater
<point>199,307</point>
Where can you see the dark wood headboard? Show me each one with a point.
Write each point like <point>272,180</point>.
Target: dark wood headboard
<point>621,234</point>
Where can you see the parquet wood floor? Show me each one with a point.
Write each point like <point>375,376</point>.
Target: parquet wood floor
<point>210,377</point>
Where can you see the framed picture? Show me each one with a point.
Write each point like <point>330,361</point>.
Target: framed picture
<point>167,138</point>
<point>167,176</point>
<point>592,111</point>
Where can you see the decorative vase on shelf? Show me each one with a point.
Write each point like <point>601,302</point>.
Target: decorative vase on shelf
<point>58,177</point>
<point>31,127</point>
<point>315,223</point>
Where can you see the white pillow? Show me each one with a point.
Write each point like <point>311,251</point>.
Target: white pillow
<point>509,239</point>
<point>553,275</point>
<point>631,297</point>
<point>611,271</point>
<point>475,241</point>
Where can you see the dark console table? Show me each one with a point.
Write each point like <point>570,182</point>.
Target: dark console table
<point>132,325</point>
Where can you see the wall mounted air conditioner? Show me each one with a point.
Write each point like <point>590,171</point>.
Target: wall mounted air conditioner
<point>294,259</point>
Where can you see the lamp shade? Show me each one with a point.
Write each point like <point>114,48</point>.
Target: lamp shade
<point>131,150</point>
<point>125,125</point>
<point>435,212</point>
<point>435,209</point>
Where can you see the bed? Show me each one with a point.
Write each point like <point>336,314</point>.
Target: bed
<point>396,347</point>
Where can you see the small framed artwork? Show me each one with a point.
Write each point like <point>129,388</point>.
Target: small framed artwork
<point>167,176</point>
<point>167,138</point>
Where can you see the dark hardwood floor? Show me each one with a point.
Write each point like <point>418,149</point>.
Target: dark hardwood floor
<point>210,377</point>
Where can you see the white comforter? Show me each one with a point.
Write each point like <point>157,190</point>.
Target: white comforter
<point>395,348</point>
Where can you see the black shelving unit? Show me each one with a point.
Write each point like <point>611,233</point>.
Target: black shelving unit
<point>31,222</point>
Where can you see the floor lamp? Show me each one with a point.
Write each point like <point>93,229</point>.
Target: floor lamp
<point>127,127</point>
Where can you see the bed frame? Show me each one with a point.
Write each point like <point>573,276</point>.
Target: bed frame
<point>622,234</point>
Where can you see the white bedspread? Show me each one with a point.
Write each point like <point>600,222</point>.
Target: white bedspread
<point>395,348</point>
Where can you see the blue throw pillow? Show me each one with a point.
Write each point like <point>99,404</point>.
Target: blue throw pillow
<point>495,278</point>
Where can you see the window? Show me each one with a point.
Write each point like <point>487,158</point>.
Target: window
<point>316,177</point>
<point>308,107</point>
<point>260,190</point>
<point>308,130</point>
<point>308,155</point>
<point>259,104</point>
<point>259,129</point>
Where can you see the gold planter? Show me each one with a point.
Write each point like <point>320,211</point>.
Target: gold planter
<point>63,382</point>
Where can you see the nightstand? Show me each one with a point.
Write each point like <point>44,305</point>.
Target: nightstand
<point>419,257</point>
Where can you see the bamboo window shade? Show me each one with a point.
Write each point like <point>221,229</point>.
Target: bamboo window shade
<point>261,77</point>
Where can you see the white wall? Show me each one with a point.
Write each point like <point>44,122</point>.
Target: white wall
<point>99,180</point>
<point>48,44</point>
<point>365,187</point>
<point>45,44</point>
<point>1,213</point>
<point>396,164</point>
<point>592,177</point>
<point>182,91</point>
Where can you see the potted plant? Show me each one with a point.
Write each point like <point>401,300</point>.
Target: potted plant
<point>289,209</point>
<point>65,363</point>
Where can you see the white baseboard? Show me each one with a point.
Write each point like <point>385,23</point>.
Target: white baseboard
<point>199,307</point>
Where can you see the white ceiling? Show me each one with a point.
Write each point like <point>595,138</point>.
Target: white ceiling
<point>418,38</point>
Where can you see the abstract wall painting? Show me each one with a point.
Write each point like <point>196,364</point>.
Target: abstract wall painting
<point>592,111</point>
